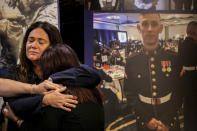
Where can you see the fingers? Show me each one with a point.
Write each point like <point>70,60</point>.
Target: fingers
<point>159,123</point>
<point>71,101</point>
<point>159,128</point>
<point>46,86</point>
<point>65,108</point>
<point>52,86</point>
<point>61,89</point>
<point>69,105</point>
<point>59,100</point>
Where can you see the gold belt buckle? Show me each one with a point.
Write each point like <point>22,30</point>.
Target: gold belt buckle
<point>155,101</point>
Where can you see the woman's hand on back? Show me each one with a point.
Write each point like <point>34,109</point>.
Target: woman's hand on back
<point>44,87</point>
<point>58,100</point>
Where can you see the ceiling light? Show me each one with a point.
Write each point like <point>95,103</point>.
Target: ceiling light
<point>113,17</point>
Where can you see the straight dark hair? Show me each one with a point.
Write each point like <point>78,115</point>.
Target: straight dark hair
<point>60,57</point>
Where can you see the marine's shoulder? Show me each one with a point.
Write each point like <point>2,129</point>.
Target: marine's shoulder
<point>166,52</point>
<point>134,56</point>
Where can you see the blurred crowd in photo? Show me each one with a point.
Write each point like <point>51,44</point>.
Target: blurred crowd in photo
<point>116,53</point>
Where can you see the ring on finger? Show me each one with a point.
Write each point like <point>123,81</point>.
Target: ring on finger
<point>65,104</point>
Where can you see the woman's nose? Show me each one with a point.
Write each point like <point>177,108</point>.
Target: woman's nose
<point>34,44</point>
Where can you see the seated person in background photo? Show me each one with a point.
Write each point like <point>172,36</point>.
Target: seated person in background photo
<point>97,54</point>
<point>105,56</point>
<point>89,113</point>
<point>146,4</point>
<point>116,58</point>
<point>38,37</point>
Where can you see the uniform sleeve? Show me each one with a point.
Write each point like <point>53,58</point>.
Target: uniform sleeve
<point>176,101</point>
<point>132,96</point>
<point>169,116</point>
<point>83,75</point>
<point>129,89</point>
<point>181,53</point>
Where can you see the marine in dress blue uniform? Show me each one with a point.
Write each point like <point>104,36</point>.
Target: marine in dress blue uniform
<point>153,89</point>
<point>152,85</point>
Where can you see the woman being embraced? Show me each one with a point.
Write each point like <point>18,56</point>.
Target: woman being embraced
<point>39,37</point>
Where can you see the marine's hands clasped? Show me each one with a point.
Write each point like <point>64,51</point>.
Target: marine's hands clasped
<point>157,125</point>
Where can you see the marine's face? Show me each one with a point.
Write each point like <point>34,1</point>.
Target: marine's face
<point>37,42</point>
<point>150,28</point>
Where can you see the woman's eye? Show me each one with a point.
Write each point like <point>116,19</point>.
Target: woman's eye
<point>41,42</point>
<point>30,40</point>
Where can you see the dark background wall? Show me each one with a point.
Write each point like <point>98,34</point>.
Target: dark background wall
<point>72,25</point>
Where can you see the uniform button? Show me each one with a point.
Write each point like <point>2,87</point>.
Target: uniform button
<point>139,76</point>
<point>167,75</point>
<point>169,69</point>
<point>175,118</point>
<point>152,59</point>
<point>154,94</point>
<point>153,72</point>
<point>153,80</point>
<point>152,66</point>
<point>154,87</point>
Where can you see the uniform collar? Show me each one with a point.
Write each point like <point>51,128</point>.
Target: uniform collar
<point>151,52</point>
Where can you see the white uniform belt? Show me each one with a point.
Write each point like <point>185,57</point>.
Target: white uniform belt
<point>189,68</point>
<point>154,101</point>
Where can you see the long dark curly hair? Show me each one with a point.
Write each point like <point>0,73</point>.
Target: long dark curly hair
<point>25,64</point>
